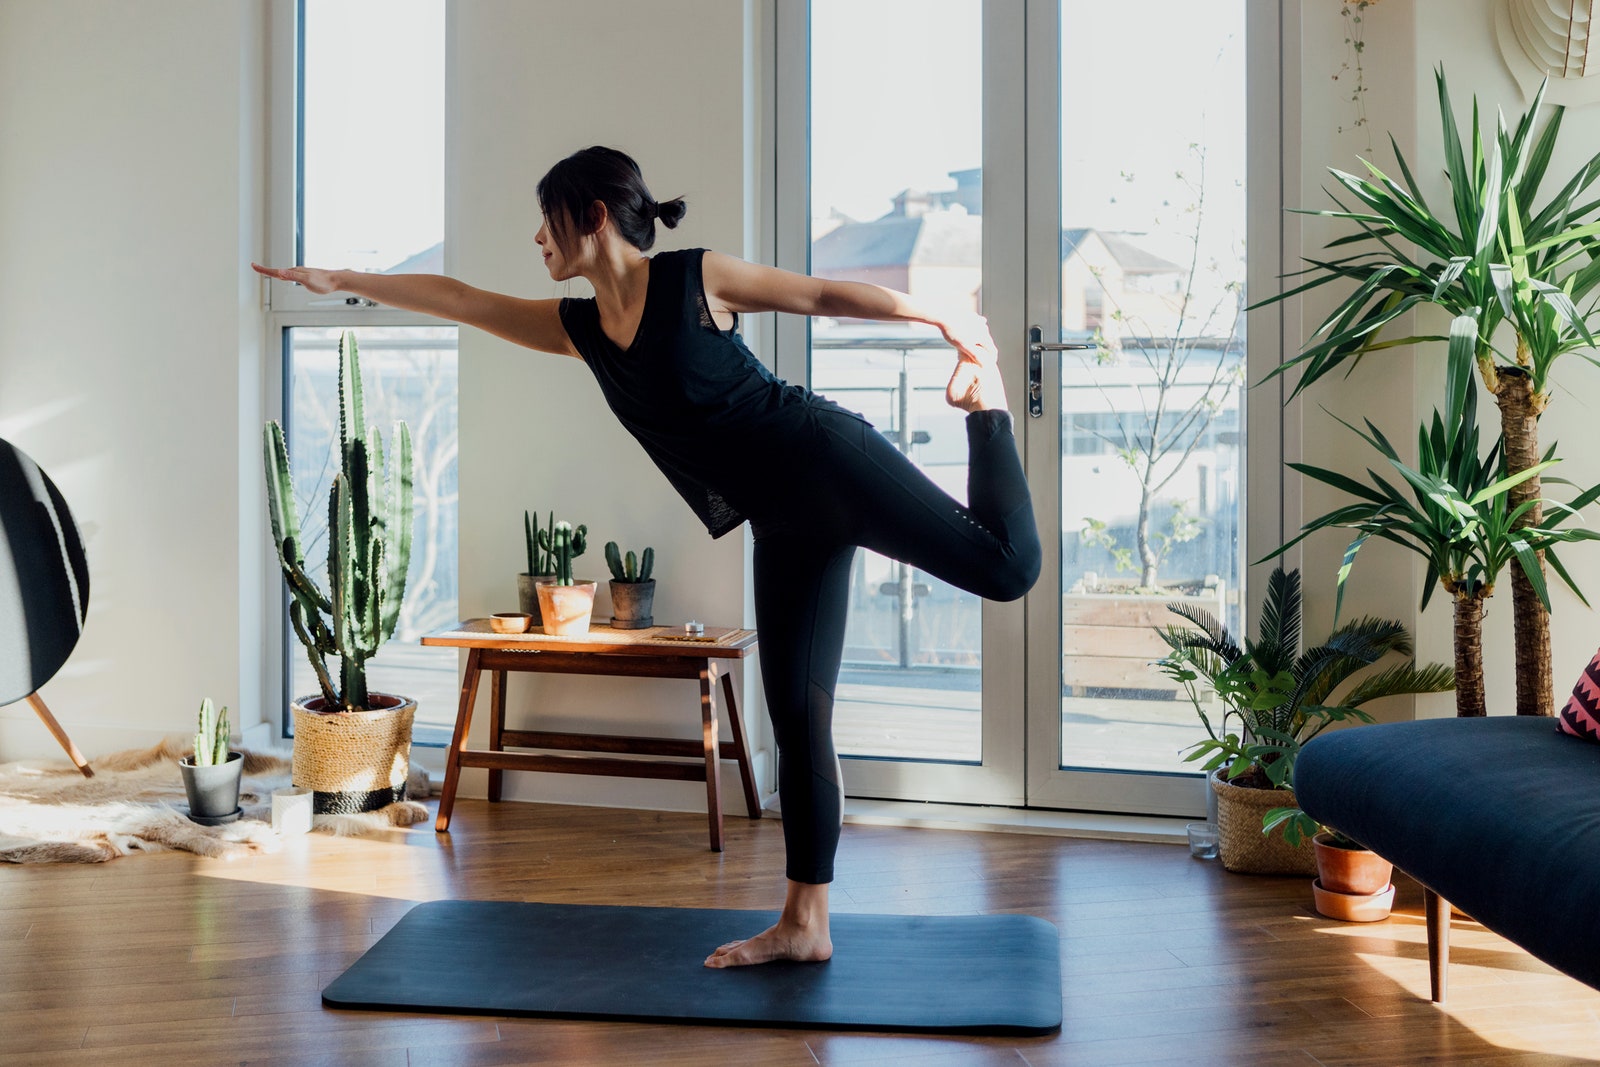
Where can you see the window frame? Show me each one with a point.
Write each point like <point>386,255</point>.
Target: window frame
<point>288,306</point>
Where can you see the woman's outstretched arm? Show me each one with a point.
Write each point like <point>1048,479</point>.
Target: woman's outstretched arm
<point>530,323</point>
<point>749,287</point>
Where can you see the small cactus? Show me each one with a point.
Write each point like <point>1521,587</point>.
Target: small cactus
<point>211,740</point>
<point>564,544</point>
<point>632,568</point>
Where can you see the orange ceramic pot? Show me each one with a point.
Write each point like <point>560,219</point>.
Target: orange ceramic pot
<point>1350,870</point>
<point>1353,907</point>
<point>566,608</point>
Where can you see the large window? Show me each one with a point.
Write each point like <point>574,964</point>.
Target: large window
<point>366,192</point>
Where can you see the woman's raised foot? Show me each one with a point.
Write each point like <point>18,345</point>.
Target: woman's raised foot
<point>976,387</point>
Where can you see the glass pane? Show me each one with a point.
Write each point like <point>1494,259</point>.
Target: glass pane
<point>898,202</point>
<point>409,372</point>
<point>372,138</point>
<point>1152,428</point>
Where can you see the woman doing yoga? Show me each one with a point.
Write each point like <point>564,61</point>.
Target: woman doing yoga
<point>814,480</point>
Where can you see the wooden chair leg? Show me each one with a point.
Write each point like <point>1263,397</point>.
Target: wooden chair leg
<point>497,722</point>
<point>1437,910</point>
<point>747,774</point>
<point>60,735</point>
<point>713,751</point>
<point>458,741</point>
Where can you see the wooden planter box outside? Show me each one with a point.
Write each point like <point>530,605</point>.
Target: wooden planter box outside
<point>1109,640</point>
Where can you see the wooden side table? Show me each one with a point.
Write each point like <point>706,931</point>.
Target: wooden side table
<point>656,652</point>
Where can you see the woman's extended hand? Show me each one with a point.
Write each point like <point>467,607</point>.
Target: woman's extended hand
<point>969,334</point>
<point>315,280</point>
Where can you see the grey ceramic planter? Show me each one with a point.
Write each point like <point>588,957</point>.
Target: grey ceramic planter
<point>528,596</point>
<point>632,604</point>
<point>213,790</point>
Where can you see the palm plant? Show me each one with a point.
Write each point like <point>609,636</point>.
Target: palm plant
<point>1491,258</point>
<point>1457,511</point>
<point>1280,696</point>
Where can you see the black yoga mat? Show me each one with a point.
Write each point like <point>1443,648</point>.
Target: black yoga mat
<point>978,974</point>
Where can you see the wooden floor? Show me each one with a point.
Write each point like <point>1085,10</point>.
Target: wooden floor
<point>170,959</point>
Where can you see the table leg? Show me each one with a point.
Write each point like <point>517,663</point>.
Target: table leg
<point>497,722</point>
<point>708,723</point>
<point>458,741</point>
<point>747,774</point>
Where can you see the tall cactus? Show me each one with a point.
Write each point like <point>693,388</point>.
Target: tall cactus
<point>564,545</point>
<point>369,542</point>
<point>538,558</point>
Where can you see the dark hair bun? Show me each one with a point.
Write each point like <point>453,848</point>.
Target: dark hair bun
<point>671,212</point>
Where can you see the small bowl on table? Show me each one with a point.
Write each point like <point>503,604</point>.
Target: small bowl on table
<point>511,622</point>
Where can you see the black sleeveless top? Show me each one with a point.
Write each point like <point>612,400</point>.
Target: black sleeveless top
<point>718,423</point>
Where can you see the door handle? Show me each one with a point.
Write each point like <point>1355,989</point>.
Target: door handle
<point>1037,347</point>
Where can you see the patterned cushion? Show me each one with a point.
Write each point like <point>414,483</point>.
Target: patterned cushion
<point>1581,716</point>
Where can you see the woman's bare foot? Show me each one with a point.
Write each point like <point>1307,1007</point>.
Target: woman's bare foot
<point>800,934</point>
<point>975,387</point>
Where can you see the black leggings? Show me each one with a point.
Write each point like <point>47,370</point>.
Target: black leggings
<point>860,490</point>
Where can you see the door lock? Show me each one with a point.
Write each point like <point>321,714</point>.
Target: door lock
<point>1037,347</point>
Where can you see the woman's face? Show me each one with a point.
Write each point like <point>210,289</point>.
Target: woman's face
<point>554,261</point>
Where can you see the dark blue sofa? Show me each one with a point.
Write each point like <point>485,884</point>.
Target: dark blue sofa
<point>1499,816</point>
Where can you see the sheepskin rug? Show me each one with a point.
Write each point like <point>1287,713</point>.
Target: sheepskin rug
<point>51,813</point>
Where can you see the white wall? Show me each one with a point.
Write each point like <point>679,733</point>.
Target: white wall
<point>1386,579</point>
<point>130,343</point>
<point>532,82</point>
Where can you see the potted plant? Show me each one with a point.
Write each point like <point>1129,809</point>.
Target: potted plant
<point>565,604</point>
<point>352,747</point>
<point>633,591</point>
<point>1353,883</point>
<point>211,775</point>
<point>540,569</point>
<point>1274,699</point>
<point>1456,509</point>
<point>1491,256</point>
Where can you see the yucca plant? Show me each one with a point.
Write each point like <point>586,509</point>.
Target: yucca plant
<point>1276,697</point>
<point>1489,259</point>
<point>1456,509</point>
<point>369,543</point>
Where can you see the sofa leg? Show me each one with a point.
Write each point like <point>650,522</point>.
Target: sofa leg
<point>1438,913</point>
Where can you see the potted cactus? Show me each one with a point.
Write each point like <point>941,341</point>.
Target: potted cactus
<point>565,605</point>
<point>633,591</point>
<point>540,568</point>
<point>352,747</point>
<point>211,775</point>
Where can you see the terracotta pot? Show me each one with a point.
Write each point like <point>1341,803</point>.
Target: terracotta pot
<point>632,604</point>
<point>353,761</point>
<point>566,608</point>
<point>1242,846</point>
<point>1353,907</point>
<point>1350,870</point>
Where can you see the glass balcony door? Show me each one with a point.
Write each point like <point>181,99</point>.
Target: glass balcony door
<point>1077,168</point>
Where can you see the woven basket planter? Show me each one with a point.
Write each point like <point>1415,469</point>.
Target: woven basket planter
<point>1242,845</point>
<point>353,761</point>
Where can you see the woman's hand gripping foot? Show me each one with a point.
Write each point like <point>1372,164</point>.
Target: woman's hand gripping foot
<point>975,384</point>
<point>800,934</point>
